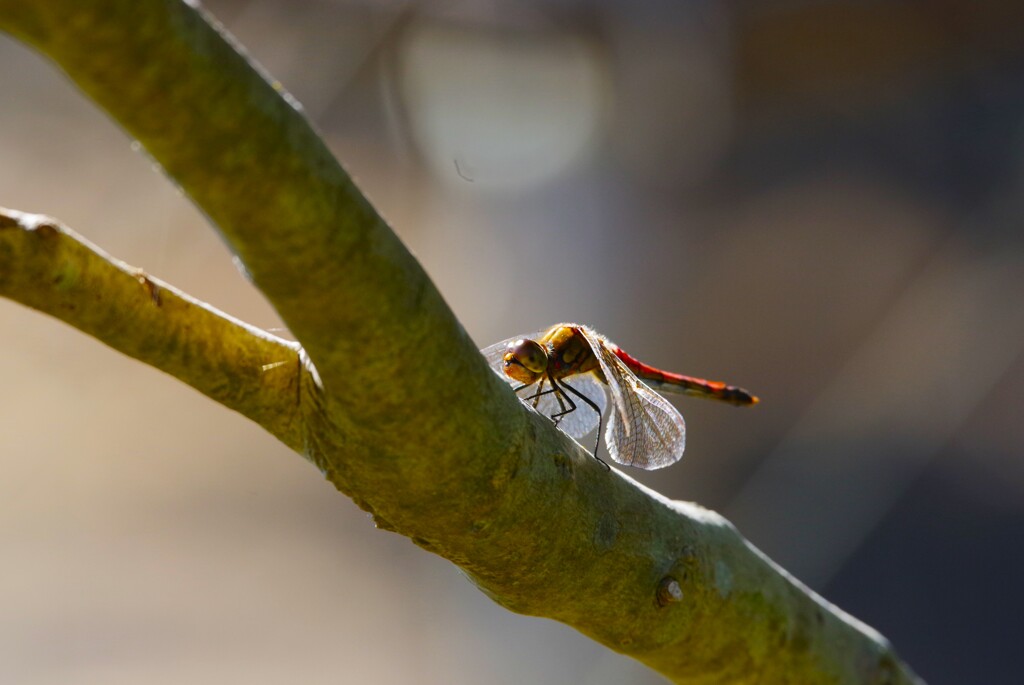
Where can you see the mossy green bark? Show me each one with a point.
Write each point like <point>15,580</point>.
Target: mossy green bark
<point>408,419</point>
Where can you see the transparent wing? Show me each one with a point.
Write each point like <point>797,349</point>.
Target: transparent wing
<point>644,430</point>
<point>576,423</point>
<point>657,436</point>
<point>601,352</point>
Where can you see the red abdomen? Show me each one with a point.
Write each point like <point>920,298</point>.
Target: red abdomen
<point>666,381</point>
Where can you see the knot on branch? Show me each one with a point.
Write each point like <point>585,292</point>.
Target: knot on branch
<point>669,592</point>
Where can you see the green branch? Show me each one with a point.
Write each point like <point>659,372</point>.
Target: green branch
<point>48,267</point>
<point>408,420</point>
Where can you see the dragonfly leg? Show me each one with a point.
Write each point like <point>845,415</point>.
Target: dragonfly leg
<point>559,395</point>
<point>562,399</point>
<point>597,410</point>
<point>590,403</point>
<point>537,395</point>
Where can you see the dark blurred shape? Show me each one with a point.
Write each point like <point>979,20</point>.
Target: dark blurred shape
<point>942,573</point>
<point>851,56</point>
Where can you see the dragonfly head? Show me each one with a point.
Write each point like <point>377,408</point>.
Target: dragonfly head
<point>525,361</point>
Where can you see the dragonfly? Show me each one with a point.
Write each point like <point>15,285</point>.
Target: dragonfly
<point>570,363</point>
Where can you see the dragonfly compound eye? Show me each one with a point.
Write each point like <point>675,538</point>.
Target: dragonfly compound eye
<point>530,354</point>
<point>524,361</point>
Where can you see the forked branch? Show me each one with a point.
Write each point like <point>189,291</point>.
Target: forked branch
<point>48,267</point>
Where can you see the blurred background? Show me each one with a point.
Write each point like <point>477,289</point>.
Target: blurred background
<point>818,200</point>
